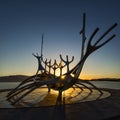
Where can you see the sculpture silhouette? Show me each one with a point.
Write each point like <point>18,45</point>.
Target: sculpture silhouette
<point>54,67</point>
<point>70,77</point>
<point>67,62</point>
<point>40,67</point>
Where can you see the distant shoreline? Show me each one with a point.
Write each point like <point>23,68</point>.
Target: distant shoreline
<point>20,78</point>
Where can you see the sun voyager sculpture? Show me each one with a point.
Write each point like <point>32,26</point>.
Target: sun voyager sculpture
<point>63,81</point>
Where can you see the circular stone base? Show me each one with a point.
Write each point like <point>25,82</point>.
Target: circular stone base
<point>41,97</point>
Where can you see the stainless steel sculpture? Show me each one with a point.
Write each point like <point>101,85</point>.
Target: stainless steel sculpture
<point>70,77</point>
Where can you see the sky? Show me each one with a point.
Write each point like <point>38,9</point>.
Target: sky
<point>22,23</point>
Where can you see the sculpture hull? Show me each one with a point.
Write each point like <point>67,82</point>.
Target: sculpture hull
<point>63,83</point>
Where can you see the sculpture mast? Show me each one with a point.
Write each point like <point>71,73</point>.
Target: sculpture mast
<point>42,47</point>
<point>83,36</point>
<point>39,58</point>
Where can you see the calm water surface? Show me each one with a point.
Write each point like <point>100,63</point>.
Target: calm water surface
<point>99,84</point>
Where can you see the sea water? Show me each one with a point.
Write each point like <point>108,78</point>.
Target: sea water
<point>99,84</point>
<point>8,85</point>
<point>106,84</point>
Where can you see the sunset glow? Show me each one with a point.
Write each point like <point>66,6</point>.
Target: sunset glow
<point>22,24</point>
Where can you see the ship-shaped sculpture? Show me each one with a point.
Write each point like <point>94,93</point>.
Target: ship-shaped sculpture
<point>65,80</point>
